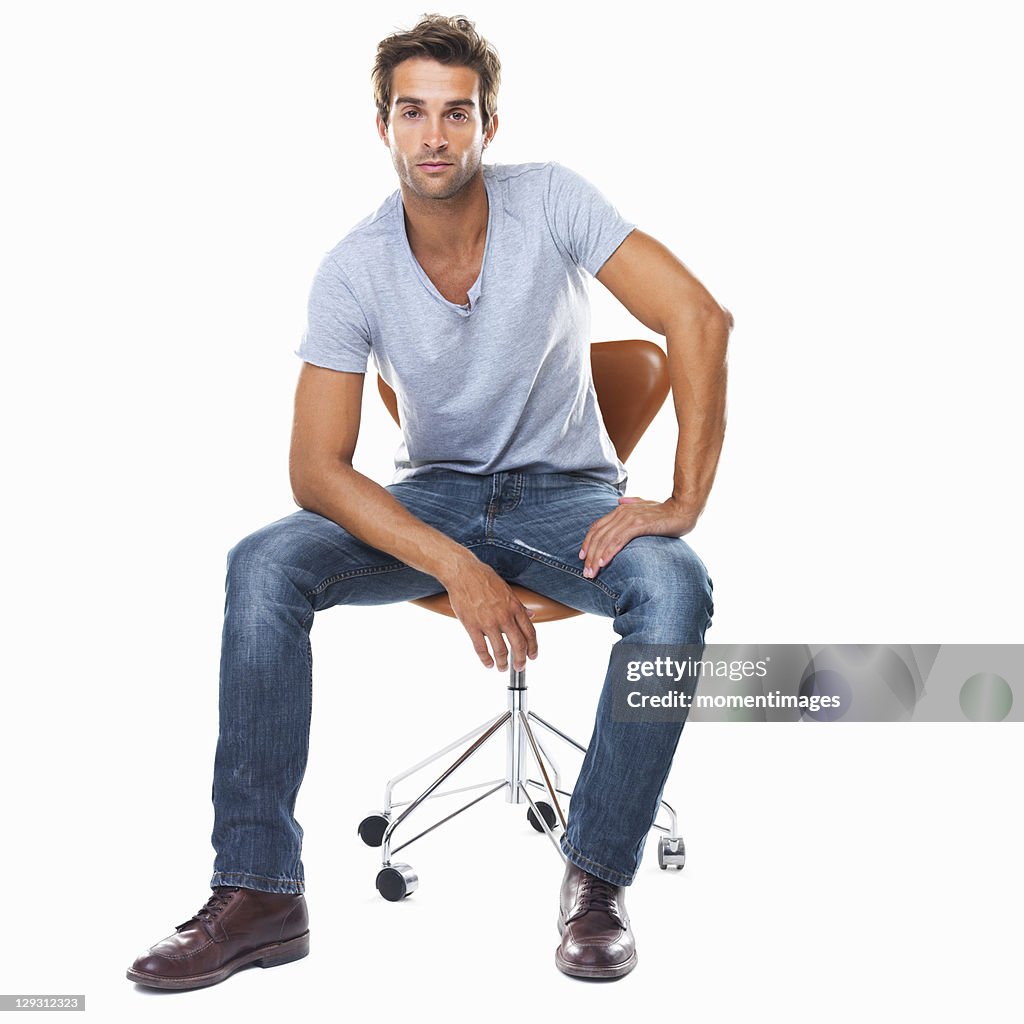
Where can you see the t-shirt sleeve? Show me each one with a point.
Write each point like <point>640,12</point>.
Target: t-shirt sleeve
<point>586,224</point>
<point>337,335</point>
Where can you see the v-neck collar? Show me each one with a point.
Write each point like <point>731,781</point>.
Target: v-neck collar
<point>493,219</point>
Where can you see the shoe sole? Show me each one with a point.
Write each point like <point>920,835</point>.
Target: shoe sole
<point>577,971</point>
<point>272,955</point>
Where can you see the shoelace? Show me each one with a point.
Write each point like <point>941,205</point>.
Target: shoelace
<point>213,906</point>
<point>597,894</point>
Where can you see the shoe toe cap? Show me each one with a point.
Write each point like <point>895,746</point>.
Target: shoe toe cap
<point>167,959</point>
<point>147,963</point>
<point>608,949</point>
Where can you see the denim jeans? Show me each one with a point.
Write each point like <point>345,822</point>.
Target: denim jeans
<point>528,527</point>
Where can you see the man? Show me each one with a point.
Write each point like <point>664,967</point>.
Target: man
<point>468,288</point>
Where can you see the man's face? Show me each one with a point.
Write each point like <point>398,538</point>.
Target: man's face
<point>434,130</point>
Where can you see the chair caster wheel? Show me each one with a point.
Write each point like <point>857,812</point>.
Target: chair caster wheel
<point>397,882</point>
<point>547,813</point>
<point>671,853</point>
<point>373,827</point>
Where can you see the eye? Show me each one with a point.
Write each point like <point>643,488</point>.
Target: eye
<point>460,114</point>
<point>410,111</point>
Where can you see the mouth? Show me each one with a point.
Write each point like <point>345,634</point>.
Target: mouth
<point>433,166</point>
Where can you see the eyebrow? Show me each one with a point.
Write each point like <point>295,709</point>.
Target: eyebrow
<point>422,103</point>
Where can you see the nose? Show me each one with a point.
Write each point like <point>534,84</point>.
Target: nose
<point>433,135</point>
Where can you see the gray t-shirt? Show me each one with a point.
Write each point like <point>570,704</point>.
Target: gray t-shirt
<point>502,383</point>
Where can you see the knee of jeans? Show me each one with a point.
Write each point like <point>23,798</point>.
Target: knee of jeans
<point>259,568</point>
<point>671,584</point>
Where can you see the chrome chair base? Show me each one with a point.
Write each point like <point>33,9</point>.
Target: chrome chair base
<point>395,881</point>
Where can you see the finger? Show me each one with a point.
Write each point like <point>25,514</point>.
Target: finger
<point>588,539</point>
<point>529,632</point>
<point>481,649</point>
<point>596,550</point>
<point>599,530</point>
<point>499,648</point>
<point>517,640</point>
<point>610,543</point>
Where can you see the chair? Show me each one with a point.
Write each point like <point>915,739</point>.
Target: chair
<point>631,380</point>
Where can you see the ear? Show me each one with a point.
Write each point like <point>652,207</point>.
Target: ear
<point>491,128</point>
<point>382,131</point>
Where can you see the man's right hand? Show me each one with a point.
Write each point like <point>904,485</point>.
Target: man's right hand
<point>485,605</point>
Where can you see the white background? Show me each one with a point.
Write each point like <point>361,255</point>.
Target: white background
<point>844,178</point>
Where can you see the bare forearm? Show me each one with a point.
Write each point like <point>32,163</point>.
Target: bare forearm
<point>697,364</point>
<point>369,512</point>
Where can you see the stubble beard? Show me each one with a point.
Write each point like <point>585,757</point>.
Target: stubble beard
<point>427,187</point>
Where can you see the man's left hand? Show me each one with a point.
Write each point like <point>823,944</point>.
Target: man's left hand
<point>634,517</point>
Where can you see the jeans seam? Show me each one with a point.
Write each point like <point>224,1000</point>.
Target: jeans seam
<point>555,564</point>
<point>517,493</point>
<point>309,720</point>
<point>489,515</point>
<point>366,570</point>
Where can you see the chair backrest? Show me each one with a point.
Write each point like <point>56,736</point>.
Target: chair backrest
<point>631,381</point>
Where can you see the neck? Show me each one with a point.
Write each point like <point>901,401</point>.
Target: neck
<point>457,224</point>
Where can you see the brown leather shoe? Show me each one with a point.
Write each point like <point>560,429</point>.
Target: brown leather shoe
<point>235,927</point>
<point>596,938</point>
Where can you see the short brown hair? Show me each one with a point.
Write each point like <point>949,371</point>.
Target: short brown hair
<point>447,40</point>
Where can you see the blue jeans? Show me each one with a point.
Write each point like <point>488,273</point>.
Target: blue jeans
<point>528,527</point>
